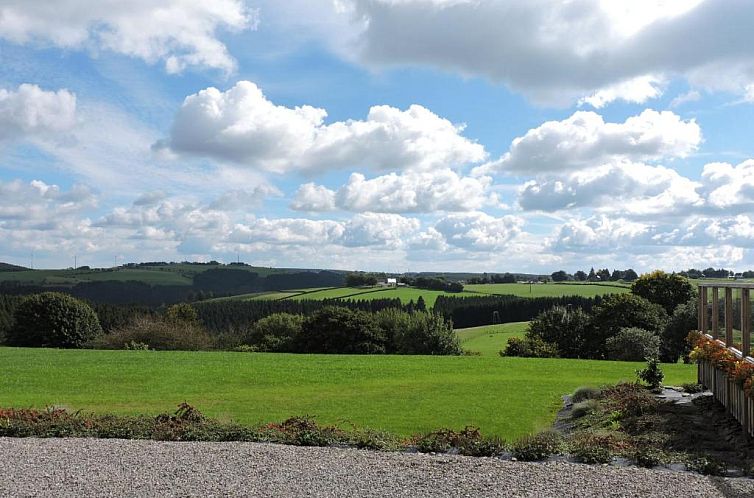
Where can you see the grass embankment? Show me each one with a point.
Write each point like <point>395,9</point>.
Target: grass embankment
<point>488,340</point>
<point>507,397</point>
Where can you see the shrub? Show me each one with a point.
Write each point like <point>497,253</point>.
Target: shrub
<point>648,457</point>
<point>305,431</point>
<point>469,442</point>
<point>538,447</point>
<point>278,332</point>
<point>417,333</point>
<point>667,290</point>
<point>706,465</point>
<point>587,453</point>
<point>566,328</point>
<point>335,329</point>
<point>652,374</point>
<point>632,344</point>
<point>692,387</point>
<point>585,392</point>
<point>584,408</point>
<point>683,320</point>
<point>181,313</point>
<point>52,319</point>
<point>157,334</point>
<point>530,347</point>
<point>368,439</point>
<point>629,399</point>
<point>619,311</point>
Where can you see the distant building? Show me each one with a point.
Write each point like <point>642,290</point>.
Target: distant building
<point>392,282</point>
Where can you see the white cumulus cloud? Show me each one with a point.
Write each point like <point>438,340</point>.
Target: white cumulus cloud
<point>479,231</point>
<point>585,140</point>
<point>441,190</point>
<point>30,111</point>
<point>242,126</point>
<point>631,188</point>
<point>559,52</point>
<point>180,33</point>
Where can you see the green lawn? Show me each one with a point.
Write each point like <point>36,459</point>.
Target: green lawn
<point>550,289</point>
<point>405,294</point>
<point>490,339</point>
<point>402,394</point>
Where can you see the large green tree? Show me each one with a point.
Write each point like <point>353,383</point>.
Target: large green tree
<point>54,320</point>
<point>618,311</point>
<point>666,289</point>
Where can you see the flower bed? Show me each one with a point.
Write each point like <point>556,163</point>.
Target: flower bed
<point>728,375</point>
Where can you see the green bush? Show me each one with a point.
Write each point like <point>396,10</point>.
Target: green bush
<point>618,311</point>
<point>693,387</point>
<point>648,457</point>
<point>564,327</point>
<point>682,321</point>
<point>632,344</point>
<point>530,347</point>
<point>586,453</point>
<point>417,333</point>
<point>629,400</point>
<point>181,313</point>
<point>584,393</point>
<point>52,319</point>
<point>468,442</point>
<point>706,465</point>
<point>538,447</point>
<point>278,332</point>
<point>652,374</point>
<point>335,329</point>
<point>158,334</point>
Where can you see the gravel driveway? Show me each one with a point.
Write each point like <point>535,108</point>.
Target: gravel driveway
<point>102,467</point>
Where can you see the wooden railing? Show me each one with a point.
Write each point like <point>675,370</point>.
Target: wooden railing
<point>711,309</point>
<point>709,313</point>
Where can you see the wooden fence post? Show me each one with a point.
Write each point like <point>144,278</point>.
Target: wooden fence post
<point>715,313</point>
<point>745,322</point>
<point>728,316</point>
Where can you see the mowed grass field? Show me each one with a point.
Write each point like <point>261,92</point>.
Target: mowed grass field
<point>488,340</point>
<point>550,289</point>
<point>406,294</point>
<point>507,397</point>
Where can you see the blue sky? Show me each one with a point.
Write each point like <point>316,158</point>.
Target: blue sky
<point>390,135</point>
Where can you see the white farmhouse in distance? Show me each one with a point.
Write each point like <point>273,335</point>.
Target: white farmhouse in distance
<point>392,282</point>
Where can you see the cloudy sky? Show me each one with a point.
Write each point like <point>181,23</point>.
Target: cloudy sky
<point>394,135</point>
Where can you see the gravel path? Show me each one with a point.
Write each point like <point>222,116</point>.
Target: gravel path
<point>102,467</point>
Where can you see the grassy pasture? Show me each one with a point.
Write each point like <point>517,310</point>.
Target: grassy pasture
<point>402,394</point>
<point>490,339</point>
<point>550,289</point>
<point>405,294</point>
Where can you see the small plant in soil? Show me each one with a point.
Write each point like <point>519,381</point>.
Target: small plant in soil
<point>584,408</point>
<point>652,374</point>
<point>648,457</point>
<point>692,388</point>
<point>584,393</point>
<point>706,465</point>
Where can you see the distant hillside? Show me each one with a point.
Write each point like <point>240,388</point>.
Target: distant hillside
<point>10,267</point>
<point>159,283</point>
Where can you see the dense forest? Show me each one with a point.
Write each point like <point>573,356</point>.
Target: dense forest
<point>214,282</point>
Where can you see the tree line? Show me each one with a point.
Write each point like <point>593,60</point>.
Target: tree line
<point>474,311</point>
